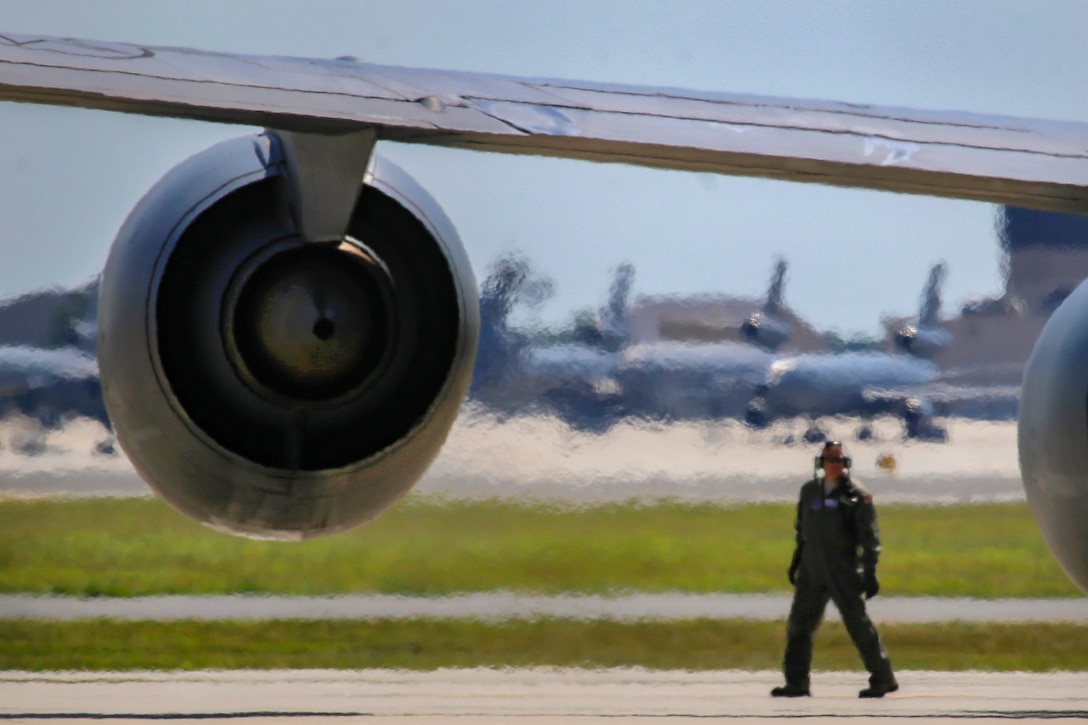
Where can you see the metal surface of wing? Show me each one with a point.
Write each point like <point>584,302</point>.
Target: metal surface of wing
<point>1033,163</point>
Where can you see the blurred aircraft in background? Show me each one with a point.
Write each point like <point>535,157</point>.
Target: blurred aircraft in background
<point>668,380</point>
<point>50,387</point>
<point>570,376</point>
<point>596,373</point>
<point>867,384</point>
<point>43,387</point>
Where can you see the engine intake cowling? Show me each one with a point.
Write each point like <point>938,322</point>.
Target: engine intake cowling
<point>271,386</point>
<point>1053,434</point>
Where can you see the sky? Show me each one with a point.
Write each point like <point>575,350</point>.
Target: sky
<point>69,177</point>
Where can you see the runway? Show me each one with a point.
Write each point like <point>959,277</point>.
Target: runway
<point>565,696</point>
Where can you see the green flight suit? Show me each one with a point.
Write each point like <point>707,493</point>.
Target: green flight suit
<point>838,540</point>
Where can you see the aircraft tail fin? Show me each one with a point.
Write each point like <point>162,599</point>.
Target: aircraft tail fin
<point>930,310</point>
<point>767,328</point>
<point>927,338</point>
<point>617,311</point>
<point>776,289</point>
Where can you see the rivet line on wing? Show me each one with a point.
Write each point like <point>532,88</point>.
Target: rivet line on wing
<point>831,111</point>
<point>202,81</point>
<point>782,127</point>
<point>79,44</point>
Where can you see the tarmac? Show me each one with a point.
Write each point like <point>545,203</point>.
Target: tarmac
<point>531,696</point>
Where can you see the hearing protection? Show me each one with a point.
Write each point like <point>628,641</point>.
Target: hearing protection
<point>820,459</point>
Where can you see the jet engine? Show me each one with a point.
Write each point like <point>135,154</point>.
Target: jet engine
<point>268,384</point>
<point>1053,434</point>
<point>922,342</point>
<point>765,331</point>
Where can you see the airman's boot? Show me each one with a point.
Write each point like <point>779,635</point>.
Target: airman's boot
<point>790,690</point>
<point>879,689</point>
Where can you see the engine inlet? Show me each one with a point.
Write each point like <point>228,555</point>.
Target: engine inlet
<point>311,323</point>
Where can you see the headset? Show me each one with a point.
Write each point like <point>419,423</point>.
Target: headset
<point>819,461</point>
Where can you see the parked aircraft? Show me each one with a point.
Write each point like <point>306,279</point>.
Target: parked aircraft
<point>284,349</point>
<point>669,380</point>
<point>596,382</point>
<point>570,377</point>
<point>865,384</point>
<point>597,376</point>
<point>869,384</point>
<point>51,386</point>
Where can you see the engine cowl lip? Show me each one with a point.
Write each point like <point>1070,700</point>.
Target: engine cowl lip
<point>247,354</point>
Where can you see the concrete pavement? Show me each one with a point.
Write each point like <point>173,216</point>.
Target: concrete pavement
<point>536,695</point>
<point>508,605</point>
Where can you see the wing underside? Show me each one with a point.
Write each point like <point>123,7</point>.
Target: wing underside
<point>1033,163</point>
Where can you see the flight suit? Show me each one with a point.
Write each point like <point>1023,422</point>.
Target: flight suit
<point>832,528</point>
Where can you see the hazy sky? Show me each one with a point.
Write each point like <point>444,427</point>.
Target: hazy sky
<point>68,178</point>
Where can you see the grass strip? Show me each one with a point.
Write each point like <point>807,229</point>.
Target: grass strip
<point>129,547</point>
<point>698,644</point>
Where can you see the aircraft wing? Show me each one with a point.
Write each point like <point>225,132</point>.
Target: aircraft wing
<point>1034,163</point>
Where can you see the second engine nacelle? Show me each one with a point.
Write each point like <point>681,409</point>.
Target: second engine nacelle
<point>271,386</point>
<point>1053,434</point>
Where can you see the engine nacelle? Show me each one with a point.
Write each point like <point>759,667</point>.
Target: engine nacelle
<point>922,342</point>
<point>1053,434</point>
<point>765,330</point>
<point>274,387</point>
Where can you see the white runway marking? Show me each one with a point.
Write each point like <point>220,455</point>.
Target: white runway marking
<point>530,696</point>
<point>500,606</point>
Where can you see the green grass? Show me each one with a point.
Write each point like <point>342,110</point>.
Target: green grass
<point>105,645</point>
<point>128,547</point>
<point>139,546</point>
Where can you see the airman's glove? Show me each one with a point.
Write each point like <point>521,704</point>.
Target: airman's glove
<point>872,586</point>
<point>794,566</point>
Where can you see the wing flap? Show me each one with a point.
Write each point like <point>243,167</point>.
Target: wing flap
<point>1041,164</point>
